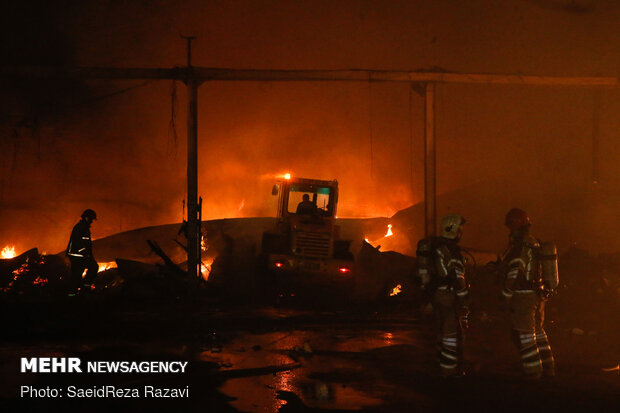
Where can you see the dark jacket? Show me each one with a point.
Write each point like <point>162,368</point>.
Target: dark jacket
<point>306,207</point>
<point>80,244</point>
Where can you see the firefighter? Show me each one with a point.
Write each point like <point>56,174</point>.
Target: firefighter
<point>80,253</point>
<point>525,291</point>
<point>441,269</point>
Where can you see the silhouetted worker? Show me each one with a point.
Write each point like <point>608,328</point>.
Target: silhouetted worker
<point>80,253</point>
<point>306,206</point>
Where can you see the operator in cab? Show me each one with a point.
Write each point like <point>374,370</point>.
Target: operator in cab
<point>306,207</point>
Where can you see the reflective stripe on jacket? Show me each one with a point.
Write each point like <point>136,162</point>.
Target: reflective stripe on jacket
<point>80,244</point>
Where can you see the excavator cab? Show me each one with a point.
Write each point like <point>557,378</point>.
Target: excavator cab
<point>305,246</point>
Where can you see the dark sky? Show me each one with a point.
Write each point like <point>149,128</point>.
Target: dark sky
<point>69,145</point>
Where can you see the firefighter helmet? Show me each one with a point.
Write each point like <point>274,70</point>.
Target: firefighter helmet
<point>517,218</point>
<point>450,225</point>
<point>89,213</point>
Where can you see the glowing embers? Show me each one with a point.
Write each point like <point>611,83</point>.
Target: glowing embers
<point>344,270</point>
<point>104,266</point>
<point>31,273</point>
<point>8,252</point>
<point>396,290</point>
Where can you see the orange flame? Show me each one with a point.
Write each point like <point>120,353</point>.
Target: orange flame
<point>396,290</point>
<point>389,231</point>
<point>371,243</point>
<point>8,252</point>
<point>104,266</point>
<point>205,268</point>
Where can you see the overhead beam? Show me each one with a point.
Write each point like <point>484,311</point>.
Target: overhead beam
<point>352,75</point>
<point>361,75</point>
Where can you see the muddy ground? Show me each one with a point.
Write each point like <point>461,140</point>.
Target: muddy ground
<point>309,353</point>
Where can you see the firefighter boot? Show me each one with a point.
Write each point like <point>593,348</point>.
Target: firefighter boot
<point>546,356</point>
<point>530,357</point>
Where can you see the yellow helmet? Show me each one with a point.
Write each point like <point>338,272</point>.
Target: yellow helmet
<point>450,225</point>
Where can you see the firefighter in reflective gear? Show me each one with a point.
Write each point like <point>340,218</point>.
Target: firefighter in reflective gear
<point>441,269</point>
<point>80,253</point>
<point>526,292</point>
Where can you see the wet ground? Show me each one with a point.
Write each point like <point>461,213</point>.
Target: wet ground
<point>299,356</point>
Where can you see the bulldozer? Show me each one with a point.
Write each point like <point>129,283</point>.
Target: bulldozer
<point>305,248</point>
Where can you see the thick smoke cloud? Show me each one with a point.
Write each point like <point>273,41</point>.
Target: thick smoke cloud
<point>66,147</point>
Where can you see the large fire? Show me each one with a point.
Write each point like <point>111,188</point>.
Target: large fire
<point>389,232</point>
<point>8,252</point>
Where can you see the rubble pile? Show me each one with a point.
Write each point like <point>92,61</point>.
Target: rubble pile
<point>32,274</point>
<point>35,275</point>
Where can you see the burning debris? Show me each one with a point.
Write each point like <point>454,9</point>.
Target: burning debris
<point>206,262</point>
<point>31,272</point>
<point>34,273</point>
<point>396,290</point>
<point>384,274</point>
<point>104,266</point>
<point>375,242</point>
<point>205,268</point>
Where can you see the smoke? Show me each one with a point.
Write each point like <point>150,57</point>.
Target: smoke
<point>108,145</point>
